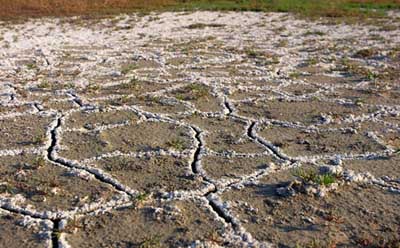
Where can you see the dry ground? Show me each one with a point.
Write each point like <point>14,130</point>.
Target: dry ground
<point>186,129</point>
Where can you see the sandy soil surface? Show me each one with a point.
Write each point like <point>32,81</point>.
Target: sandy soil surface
<point>204,129</point>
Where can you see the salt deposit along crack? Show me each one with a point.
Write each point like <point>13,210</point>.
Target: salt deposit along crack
<point>195,169</point>
<point>251,132</point>
<point>51,155</point>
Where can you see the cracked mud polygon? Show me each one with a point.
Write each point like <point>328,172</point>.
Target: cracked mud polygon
<point>200,129</point>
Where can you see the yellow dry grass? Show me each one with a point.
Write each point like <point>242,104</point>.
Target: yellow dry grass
<point>18,8</point>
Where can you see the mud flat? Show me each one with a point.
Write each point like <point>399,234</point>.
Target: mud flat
<point>200,129</point>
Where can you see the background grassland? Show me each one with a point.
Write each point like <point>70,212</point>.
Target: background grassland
<point>331,8</point>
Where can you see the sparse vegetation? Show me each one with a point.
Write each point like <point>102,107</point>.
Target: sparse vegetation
<point>39,139</point>
<point>326,179</point>
<point>317,243</point>
<point>359,102</point>
<point>204,25</point>
<point>313,176</point>
<point>92,88</point>
<point>44,85</point>
<point>177,144</point>
<point>309,175</point>
<point>128,68</point>
<point>142,197</point>
<point>283,43</point>
<point>6,188</point>
<point>308,8</point>
<point>152,242</point>
<point>294,75</point>
<point>251,53</point>
<point>312,61</point>
<point>39,163</point>
<point>371,75</point>
<point>192,92</point>
<point>355,69</point>
<point>31,66</point>
<point>133,84</point>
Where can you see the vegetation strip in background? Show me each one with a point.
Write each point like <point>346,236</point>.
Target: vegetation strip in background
<point>332,8</point>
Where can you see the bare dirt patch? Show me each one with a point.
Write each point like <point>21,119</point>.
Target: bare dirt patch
<point>33,181</point>
<point>16,233</point>
<point>305,220</point>
<point>168,224</point>
<point>298,142</point>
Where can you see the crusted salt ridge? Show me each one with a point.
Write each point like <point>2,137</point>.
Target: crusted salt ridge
<point>12,204</point>
<point>57,132</point>
<point>371,135</point>
<point>252,178</point>
<point>45,226</point>
<point>385,182</point>
<point>160,152</point>
<point>98,128</point>
<point>16,152</point>
<point>246,239</point>
<point>16,114</point>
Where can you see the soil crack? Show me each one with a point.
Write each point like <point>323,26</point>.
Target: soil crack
<point>55,234</point>
<point>196,156</point>
<point>76,99</point>
<point>52,157</point>
<point>221,213</point>
<point>228,107</point>
<point>252,134</point>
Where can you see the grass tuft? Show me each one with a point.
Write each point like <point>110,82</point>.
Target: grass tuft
<point>312,176</point>
<point>142,197</point>
<point>177,144</point>
<point>151,242</point>
<point>128,68</point>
